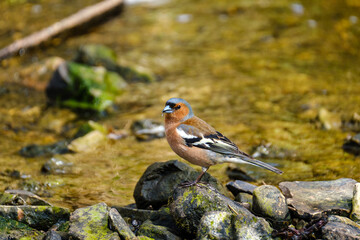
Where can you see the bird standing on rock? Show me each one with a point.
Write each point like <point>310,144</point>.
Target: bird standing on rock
<point>197,142</point>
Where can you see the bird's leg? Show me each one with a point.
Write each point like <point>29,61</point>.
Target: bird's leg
<point>188,184</point>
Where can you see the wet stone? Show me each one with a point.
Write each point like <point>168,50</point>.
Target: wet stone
<point>341,228</point>
<point>352,145</point>
<point>355,212</point>
<point>56,165</point>
<point>11,229</point>
<point>52,235</point>
<point>38,217</point>
<point>147,129</point>
<point>159,180</point>
<point>269,202</point>
<point>191,203</point>
<point>91,223</point>
<point>119,224</point>
<point>311,199</point>
<point>34,150</point>
<point>151,230</point>
<point>240,186</point>
<point>225,225</point>
<point>21,197</point>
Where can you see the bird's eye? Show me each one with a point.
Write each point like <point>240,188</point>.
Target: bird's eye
<point>177,107</point>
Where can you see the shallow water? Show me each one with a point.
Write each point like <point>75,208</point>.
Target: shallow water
<point>258,71</point>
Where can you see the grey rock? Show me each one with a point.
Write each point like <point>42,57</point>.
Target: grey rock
<point>191,203</point>
<point>91,223</point>
<point>341,228</point>
<point>311,199</point>
<point>160,179</point>
<point>246,199</point>
<point>240,186</point>
<point>150,230</point>
<point>118,223</point>
<point>34,150</point>
<point>225,225</point>
<point>269,202</point>
<point>355,212</point>
<point>21,197</point>
<point>38,217</point>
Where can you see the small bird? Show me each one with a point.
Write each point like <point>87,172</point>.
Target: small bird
<point>199,143</point>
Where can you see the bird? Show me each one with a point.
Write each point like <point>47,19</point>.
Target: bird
<point>199,143</point>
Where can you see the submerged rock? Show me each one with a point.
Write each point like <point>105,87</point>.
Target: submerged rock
<point>38,217</point>
<point>267,150</point>
<point>91,223</point>
<point>100,55</point>
<point>352,145</point>
<point>34,150</point>
<point>329,120</point>
<point>55,165</point>
<point>310,199</point>
<point>159,180</point>
<point>355,212</point>
<point>224,225</point>
<point>191,203</point>
<point>147,129</point>
<point>268,202</point>
<point>87,142</point>
<point>341,228</point>
<point>79,86</point>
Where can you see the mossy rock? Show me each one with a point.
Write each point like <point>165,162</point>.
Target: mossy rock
<point>191,203</point>
<point>91,223</point>
<point>38,217</point>
<point>11,229</point>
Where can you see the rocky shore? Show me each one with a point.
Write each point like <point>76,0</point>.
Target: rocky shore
<point>164,210</point>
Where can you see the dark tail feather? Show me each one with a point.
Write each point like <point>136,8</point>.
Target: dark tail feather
<point>252,161</point>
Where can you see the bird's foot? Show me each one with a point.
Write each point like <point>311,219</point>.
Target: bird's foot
<point>192,183</point>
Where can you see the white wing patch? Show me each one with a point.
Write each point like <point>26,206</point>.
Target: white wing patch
<point>184,135</point>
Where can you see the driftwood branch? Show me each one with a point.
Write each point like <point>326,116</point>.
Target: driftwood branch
<point>81,17</point>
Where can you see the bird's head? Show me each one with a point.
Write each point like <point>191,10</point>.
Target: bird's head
<point>177,109</point>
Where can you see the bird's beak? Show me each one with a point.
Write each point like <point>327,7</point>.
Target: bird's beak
<point>167,109</point>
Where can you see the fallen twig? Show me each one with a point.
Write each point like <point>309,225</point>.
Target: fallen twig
<point>68,23</point>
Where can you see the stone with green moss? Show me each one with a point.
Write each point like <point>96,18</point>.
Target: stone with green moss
<point>80,86</point>
<point>191,203</point>
<point>38,217</point>
<point>100,55</point>
<point>11,229</point>
<point>157,183</point>
<point>155,231</point>
<point>225,225</point>
<point>91,223</point>
<point>269,202</point>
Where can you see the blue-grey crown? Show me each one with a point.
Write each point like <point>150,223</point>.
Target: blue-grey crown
<point>173,101</point>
